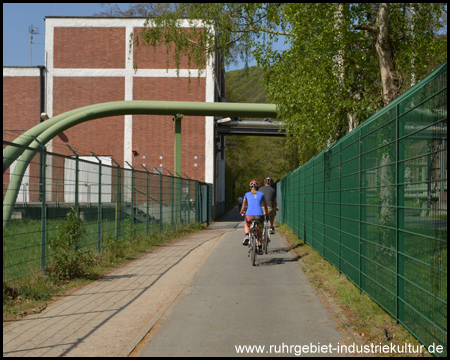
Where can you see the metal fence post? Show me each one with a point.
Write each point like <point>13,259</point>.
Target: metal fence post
<point>99,210</point>
<point>44,208</point>
<point>160,200</point>
<point>197,219</point>
<point>400,191</point>
<point>188,199</point>
<point>210,197</point>
<point>178,196</point>
<point>132,196</point>
<point>362,199</point>
<point>117,201</point>
<point>77,206</point>
<point>172,198</point>
<point>148,216</point>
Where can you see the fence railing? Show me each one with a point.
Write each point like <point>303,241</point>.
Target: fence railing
<point>374,204</point>
<point>109,199</point>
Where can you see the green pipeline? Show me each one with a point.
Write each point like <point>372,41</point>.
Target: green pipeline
<point>47,130</point>
<point>136,107</point>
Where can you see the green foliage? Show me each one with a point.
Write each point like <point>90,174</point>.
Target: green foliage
<point>253,157</point>
<point>135,9</point>
<point>331,72</point>
<point>68,259</point>
<point>329,80</point>
<point>114,249</point>
<point>118,249</point>
<point>232,28</point>
<point>130,232</point>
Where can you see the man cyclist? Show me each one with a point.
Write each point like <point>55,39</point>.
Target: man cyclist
<point>271,198</point>
<point>256,210</point>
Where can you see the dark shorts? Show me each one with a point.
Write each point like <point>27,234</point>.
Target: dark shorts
<point>250,218</point>
<point>272,211</point>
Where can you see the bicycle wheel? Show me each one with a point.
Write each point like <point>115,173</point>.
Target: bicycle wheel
<point>254,241</point>
<point>266,238</point>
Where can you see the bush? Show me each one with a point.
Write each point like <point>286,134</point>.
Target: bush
<point>115,249</point>
<point>69,260</point>
<point>118,249</point>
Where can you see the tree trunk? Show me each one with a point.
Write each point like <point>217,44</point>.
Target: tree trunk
<point>385,57</point>
<point>384,52</point>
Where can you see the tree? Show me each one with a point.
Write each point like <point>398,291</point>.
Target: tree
<point>252,157</point>
<point>345,61</point>
<point>136,9</point>
<point>348,61</point>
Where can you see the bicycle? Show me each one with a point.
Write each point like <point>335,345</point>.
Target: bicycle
<point>266,234</point>
<point>253,243</point>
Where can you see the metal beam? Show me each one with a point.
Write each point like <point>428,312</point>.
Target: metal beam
<point>177,143</point>
<point>228,130</point>
<point>252,123</point>
<point>250,127</point>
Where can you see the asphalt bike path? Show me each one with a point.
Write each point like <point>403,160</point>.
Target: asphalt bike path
<point>196,296</point>
<point>230,303</point>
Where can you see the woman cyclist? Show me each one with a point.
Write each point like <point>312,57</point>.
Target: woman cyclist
<point>257,209</point>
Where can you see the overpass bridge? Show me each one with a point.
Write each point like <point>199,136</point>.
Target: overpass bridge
<point>254,127</point>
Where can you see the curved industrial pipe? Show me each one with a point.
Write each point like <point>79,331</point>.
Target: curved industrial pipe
<point>11,153</point>
<point>49,129</point>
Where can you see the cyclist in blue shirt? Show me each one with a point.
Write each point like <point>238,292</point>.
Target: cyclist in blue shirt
<point>257,209</point>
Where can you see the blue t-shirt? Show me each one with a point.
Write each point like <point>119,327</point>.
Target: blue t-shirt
<point>254,203</point>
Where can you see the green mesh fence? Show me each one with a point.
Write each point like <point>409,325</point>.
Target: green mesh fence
<point>112,201</point>
<point>374,204</point>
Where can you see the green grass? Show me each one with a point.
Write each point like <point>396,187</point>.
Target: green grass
<point>26,287</point>
<point>22,242</point>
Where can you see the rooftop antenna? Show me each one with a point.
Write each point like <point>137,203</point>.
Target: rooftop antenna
<point>33,30</point>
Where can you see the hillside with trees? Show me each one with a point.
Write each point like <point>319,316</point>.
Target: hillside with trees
<point>246,84</point>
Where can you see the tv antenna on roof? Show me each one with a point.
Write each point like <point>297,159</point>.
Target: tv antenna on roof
<point>33,30</point>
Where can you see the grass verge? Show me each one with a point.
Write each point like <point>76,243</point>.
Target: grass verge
<point>362,317</point>
<point>32,294</point>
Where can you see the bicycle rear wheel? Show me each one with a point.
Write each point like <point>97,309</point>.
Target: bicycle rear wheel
<point>265,238</point>
<point>254,241</point>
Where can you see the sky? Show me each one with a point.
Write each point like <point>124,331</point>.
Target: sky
<point>18,17</point>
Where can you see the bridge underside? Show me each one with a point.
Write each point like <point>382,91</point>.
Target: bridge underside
<point>229,130</point>
<point>250,127</point>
